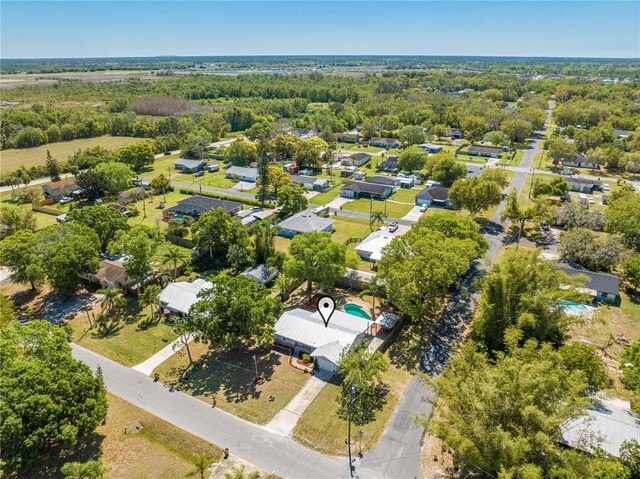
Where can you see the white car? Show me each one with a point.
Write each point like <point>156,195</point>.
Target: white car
<point>592,201</point>
<point>393,226</point>
<point>423,208</point>
<point>65,200</point>
<point>605,187</point>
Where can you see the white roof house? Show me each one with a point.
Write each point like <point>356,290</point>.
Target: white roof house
<point>303,223</point>
<point>179,297</point>
<point>242,173</point>
<point>371,247</point>
<point>304,330</point>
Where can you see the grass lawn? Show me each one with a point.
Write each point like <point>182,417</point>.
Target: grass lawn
<point>158,450</point>
<point>130,338</point>
<point>14,157</point>
<point>393,210</point>
<point>227,376</point>
<point>516,159</point>
<point>320,428</point>
<point>281,244</point>
<point>407,195</point>
<point>358,148</point>
<point>350,228</point>
<point>327,196</point>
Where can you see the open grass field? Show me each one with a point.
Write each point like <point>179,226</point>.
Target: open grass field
<point>12,159</point>
<point>320,428</point>
<point>350,228</point>
<point>131,337</point>
<point>407,195</point>
<point>227,375</point>
<point>358,148</point>
<point>158,450</point>
<point>393,210</point>
<point>327,196</point>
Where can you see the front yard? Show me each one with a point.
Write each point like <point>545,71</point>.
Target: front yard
<point>392,209</point>
<point>227,376</point>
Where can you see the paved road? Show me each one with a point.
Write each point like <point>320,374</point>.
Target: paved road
<point>272,452</point>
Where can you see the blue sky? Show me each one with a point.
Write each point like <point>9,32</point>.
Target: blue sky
<point>504,28</point>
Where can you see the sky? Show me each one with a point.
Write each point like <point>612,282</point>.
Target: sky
<point>60,29</point>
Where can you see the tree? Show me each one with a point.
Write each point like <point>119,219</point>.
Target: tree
<point>104,220</point>
<point>160,184</point>
<point>363,391</point>
<point>216,125</point>
<point>523,293</point>
<point>173,255</point>
<point>411,158</point>
<point>291,199</point>
<point>64,251</point>
<point>368,128</point>
<point>49,399</point>
<point>560,149</point>
<point>92,183</point>
<point>7,311</point>
<point>235,310</point>
<point>216,231</point>
<point>241,153</point>
<point>474,127</point>
<point>580,357</point>
<point>536,395</point>
<point>284,146</point>
<point>373,288</point>
<point>496,138</point>
<point>315,257</point>
<point>630,457</point>
<point>445,169</point>
<point>264,248</point>
<point>412,135</point>
<point>517,130</point>
<point>586,248</point>
<point>116,176</point>
<point>556,187</point>
<point>263,172</point>
<point>497,175</point>
<point>149,297</point>
<point>419,266</point>
<point>53,167</point>
<point>29,137</point>
<point>13,219</point>
<point>377,217</point>
<point>196,143</point>
<point>111,299</point>
<point>631,267</point>
<point>18,253</point>
<point>276,179</point>
<point>140,246</point>
<point>87,470</point>
<point>308,155</point>
<point>260,131</point>
<point>623,216</point>
<point>475,194</point>
<point>136,155</point>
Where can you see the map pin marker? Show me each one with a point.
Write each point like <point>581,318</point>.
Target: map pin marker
<point>326,307</point>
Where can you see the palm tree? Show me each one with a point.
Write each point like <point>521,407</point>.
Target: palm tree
<point>276,260</point>
<point>111,299</point>
<point>174,254</point>
<point>378,216</point>
<point>149,297</point>
<point>374,289</point>
<point>238,472</point>
<point>202,462</point>
<point>284,284</point>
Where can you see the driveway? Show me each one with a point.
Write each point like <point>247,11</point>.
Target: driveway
<point>336,203</point>
<point>413,215</point>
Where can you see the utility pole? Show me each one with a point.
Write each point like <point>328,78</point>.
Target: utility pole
<point>255,361</point>
<point>533,175</point>
<point>353,391</point>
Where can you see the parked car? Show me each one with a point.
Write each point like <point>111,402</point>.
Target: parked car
<point>213,168</point>
<point>423,208</point>
<point>393,226</point>
<point>592,201</point>
<point>65,200</point>
<point>605,187</point>
<point>199,173</point>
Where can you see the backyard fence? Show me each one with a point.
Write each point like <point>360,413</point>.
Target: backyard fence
<point>48,211</point>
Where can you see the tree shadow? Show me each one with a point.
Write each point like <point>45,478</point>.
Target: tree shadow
<point>108,329</point>
<point>148,322</point>
<point>228,372</point>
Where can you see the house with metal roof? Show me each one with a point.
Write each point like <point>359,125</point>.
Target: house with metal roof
<point>197,205</point>
<point>583,185</point>
<point>305,331</point>
<point>304,222</point>
<point>356,159</point>
<point>383,180</point>
<point>384,142</point>
<point>371,247</point>
<point>434,196</point>
<point>366,189</point>
<point>189,166</point>
<point>311,183</point>
<point>602,286</point>
<point>242,173</point>
<point>177,298</point>
<point>261,273</point>
<point>430,147</point>
<point>484,150</point>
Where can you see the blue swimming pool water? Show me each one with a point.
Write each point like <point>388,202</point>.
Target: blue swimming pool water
<point>356,310</point>
<point>178,217</point>
<point>573,308</point>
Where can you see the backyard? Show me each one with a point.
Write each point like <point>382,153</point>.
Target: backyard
<point>389,207</point>
<point>227,375</point>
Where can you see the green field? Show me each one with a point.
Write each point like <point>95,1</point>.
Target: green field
<point>393,210</point>
<point>358,148</point>
<point>27,157</point>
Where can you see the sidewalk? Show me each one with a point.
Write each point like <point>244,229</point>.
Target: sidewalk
<point>161,356</point>
<point>284,422</point>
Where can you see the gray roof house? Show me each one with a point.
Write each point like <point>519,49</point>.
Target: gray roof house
<point>384,142</point>
<point>602,286</point>
<point>583,185</point>
<point>242,173</point>
<point>434,196</point>
<point>382,180</point>
<point>364,189</point>
<point>311,183</point>
<point>621,134</point>
<point>430,147</point>
<point>260,273</point>
<point>188,166</point>
<point>357,159</point>
<point>304,222</point>
<point>483,150</point>
<point>390,164</point>
<point>177,298</point>
<point>196,205</point>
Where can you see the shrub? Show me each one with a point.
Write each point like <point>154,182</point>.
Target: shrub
<point>306,358</point>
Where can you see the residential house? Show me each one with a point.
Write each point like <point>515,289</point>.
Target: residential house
<point>57,189</point>
<point>304,222</point>
<point>348,137</point>
<point>303,133</point>
<point>112,274</point>
<point>455,133</point>
<point>383,180</point>
<point>383,142</point>
<point>356,159</point>
<point>405,181</point>
<point>242,173</point>
<point>483,150</point>
<point>390,164</point>
<point>177,298</point>
<point>371,247</point>
<point>430,147</point>
<point>621,134</point>
<point>602,286</point>
<point>365,189</point>
<point>434,196</point>
<point>120,209</point>
<point>261,273</point>
<point>248,217</point>
<point>583,185</point>
<point>189,166</point>
<point>197,205</point>
<point>311,183</point>
<point>129,196</point>
<point>305,331</point>
<point>579,161</point>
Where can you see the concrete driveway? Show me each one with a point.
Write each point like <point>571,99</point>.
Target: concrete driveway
<point>413,215</point>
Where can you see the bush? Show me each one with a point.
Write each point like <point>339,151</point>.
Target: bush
<point>306,358</point>
<point>176,228</point>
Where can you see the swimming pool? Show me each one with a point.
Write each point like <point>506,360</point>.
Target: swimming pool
<point>575,309</point>
<point>356,310</point>
<point>178,217</point>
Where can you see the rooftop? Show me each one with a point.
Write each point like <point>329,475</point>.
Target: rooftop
<point>189,163</point>
<point>366,187</point>
<point>68,181</point>
<point>438,193</point>
<point>197,205</point>
<point>305,222</point>
<point>182,295</point>
<point>374,243</point>
<point>599,282</point>
<point>242,171</point>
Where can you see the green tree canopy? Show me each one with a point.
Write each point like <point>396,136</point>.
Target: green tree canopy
<point>136,155</point>
<point>241,153</point>
<point>140,245</point>
<point>49,399</point>
<point>234,311</point>
<point>411,158</point>
<point>445,169</point>
<point>623,216</point>
<point>13,219</point>
<point>475,194</point>
<point>291,199</point>
<point>104,220</point>
<point>116,176</point>
<point>412,135</point>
